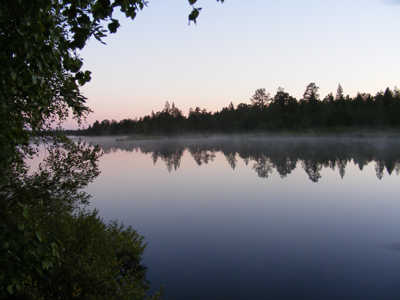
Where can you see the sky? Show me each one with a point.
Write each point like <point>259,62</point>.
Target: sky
<point>237,47</point>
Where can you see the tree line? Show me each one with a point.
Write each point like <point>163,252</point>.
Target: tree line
<point>266,113</point>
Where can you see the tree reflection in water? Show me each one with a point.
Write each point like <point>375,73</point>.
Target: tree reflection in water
<point>232,160</point>
<point>263,166</point>
<point>281,154</point>
<point>202,156</point>
<point>171,158</point>
<point>312,168</point>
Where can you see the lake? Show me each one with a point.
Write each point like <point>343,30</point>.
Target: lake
<point>258,217</point>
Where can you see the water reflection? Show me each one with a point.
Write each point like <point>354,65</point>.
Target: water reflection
<point>266,155</point>
<point>222,224</point>
<point>201,156</point>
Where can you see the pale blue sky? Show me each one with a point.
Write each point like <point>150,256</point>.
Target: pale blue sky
<point>238,47</point>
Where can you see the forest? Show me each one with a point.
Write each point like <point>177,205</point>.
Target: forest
<point>265,113</point>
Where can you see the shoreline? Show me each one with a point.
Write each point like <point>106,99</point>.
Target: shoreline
<point>336,133</point>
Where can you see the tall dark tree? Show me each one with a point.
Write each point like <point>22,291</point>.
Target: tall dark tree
<point>311,108</point>
<point>260,98</point>
<point>339,93</point>
<point>311,93</point>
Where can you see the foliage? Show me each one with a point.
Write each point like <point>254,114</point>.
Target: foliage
<point>196,11</point>
<point>50,247</point>
<point>40,69</point>
<point>98,261</point>
<point>31,204</point>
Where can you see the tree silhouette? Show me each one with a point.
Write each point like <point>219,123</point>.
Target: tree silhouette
<point>339,93</point>
<point>282,112</point>
<point>311,93</point>
<point>312,116</point>
<point>260,99</point>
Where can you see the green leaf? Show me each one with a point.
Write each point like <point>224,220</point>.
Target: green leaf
<point>39,270</point>
<point>25,212</point>
<point>21,227</point>
<point>46,264</point>
<point>194,14</point>
<point>87,76</point>
<point>10,289</point>
<point>34,79</point>
<point>113,26</point>
<point>76,65</point>
<point>191,2</point>
<point>39,235</point>
<point>13,75</point>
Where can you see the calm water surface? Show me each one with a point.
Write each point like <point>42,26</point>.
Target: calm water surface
<point>257,218</point>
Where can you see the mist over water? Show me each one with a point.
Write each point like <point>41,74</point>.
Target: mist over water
<point>259,218</point>
<point>268,154</point>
